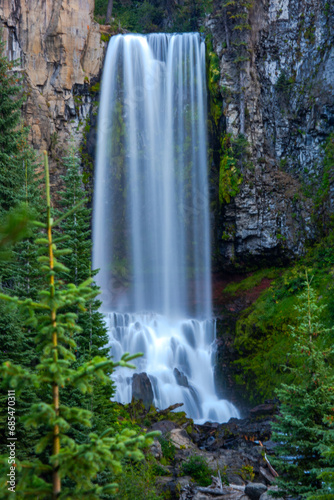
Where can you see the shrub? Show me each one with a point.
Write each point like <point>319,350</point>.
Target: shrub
<point>198,469</point>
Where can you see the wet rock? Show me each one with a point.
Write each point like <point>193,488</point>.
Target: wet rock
<point>255,490</point>
<point>180,378</point>
<point>142,389</point>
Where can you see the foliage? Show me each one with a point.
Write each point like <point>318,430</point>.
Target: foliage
<point>168,449</point>
<point>230,177</point>
<point>12,175</point>
<point>148,16</point>
<point>19,202</point>
<point>251,281</point>
<point>262,331</point>
<point>284,84</point>
<point>54,324</point>
<point>323,215</point>
<point>93,337</point>
<point>198,469</point>
<point>307,405</point>
<point>247,473</point>
<point>326,475</point>
<point>137,481</point>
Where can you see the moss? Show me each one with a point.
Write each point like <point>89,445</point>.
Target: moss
<point>263,334</point>
<point>95,88</point>
<point>252,281</point>
<point>230,177</point>
<point>105,37</point>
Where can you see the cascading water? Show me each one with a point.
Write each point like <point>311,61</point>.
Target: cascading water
<point>151,219</point>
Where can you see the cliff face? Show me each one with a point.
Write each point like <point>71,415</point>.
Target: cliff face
<point>283,97</point>
<point>59,52</point>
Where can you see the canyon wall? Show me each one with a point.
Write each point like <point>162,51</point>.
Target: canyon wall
<point>59,52</point>
<point>282,97</point>
<point>282,100</point>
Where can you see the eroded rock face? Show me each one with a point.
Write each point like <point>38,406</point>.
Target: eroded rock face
<point>59,52</point>
<point>288,98</point>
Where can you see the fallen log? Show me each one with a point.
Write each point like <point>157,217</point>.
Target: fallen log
<point>220,491</point>
<point>169,409</point>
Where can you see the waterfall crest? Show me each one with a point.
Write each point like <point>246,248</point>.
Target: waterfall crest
<point>151,218</point>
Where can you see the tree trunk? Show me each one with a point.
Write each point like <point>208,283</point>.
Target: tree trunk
<point>109,11</point>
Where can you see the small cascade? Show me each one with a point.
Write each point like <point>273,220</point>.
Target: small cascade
<point>151,225</point>
<point>178,358</point>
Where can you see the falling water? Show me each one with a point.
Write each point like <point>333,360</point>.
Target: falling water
<point>151,219</point>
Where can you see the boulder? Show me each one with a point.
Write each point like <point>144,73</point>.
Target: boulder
<point>156,450</point>
<point>255,490</point>
<point>261,410</point>
<point>164,426</point>
<point>142,389</point>
<point>181,440</point>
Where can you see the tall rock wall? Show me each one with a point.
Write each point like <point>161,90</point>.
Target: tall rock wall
<point>286,99</point>
<point>59,52</point>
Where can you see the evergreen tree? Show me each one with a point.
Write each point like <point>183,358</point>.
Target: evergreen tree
<point>11,100</point>
<point>77,228</point>
<point>93,338</point>
<point>307,406</point>
<point>55,327</point>
<point>18,188</point>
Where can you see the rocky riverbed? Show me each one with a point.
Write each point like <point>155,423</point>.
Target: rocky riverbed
<point>237,452</point>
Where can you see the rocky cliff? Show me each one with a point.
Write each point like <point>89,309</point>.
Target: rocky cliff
<point>59,52</point>
<point>278,92</point>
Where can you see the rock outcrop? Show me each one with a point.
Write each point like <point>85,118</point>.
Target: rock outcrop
<point>142,389</point>
<point>59,52</point>
<point>283,100</point>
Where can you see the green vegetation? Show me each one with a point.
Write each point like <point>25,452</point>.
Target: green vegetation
<point>247,473</point>
<point>322,213</point>
<point>198,469</point>
<point>69,467</point>
<point>150,16</point>
<point>168,450</point>
<point>137,481</point>
<point>252,281</point>
<point>303,430</point>
<point>263,334</point>
<point>234,153</point>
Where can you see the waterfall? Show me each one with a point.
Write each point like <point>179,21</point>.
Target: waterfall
<point>151,219</point>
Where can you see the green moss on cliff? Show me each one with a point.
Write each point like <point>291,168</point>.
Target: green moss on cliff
<point>263,334</point>
<point>251,281</point>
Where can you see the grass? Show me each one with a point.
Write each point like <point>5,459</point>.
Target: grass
<point>251,281</point>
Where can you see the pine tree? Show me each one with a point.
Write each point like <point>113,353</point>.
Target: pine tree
<point>55,327</point>
<point>93,338</point>
<point>18,195</point>
<point>307,406</point>
<point>11,100</point>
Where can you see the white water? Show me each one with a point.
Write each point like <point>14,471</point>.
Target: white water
<point>151,218</point>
